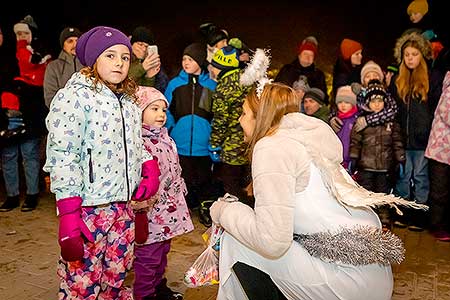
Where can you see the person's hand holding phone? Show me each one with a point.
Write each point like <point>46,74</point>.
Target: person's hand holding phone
<point>152,64</point>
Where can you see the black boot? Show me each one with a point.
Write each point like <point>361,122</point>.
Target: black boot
<point>10,203</point>
<point>30,203</point>
<point>163,292</point>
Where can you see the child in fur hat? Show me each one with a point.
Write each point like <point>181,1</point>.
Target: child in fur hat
<point>167,213</point>
<point>417,94</point>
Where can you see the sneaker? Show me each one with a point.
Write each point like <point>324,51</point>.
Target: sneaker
<point>10,204</point>
<point>30,203</point>
<point>441,235</point>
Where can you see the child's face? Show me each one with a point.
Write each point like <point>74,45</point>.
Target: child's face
<point>376,105</point>
<point>310,105</point>
<point>155,114</point>
<point>220,44</point>
<point>113,64</point>
<point>416,17</point>
<point>411,57</point>
<point>23,35</point>
<point>247,121</point>
<point>344,107</point>
<point>370,76</point>
<point>190,66</point>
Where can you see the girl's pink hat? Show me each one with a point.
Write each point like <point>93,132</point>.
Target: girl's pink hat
<point>147,95</point>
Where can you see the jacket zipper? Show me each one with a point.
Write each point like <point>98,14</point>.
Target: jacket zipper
<point>192,114</point>
<point>125,149</point>
<point>91,169</point>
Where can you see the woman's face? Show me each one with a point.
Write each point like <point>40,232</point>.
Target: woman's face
<point>247,121</point>
<point>356,58</point>
<point>411,57</point>
<point>113,64</point>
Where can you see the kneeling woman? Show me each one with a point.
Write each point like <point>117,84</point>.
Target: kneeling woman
<point>309,215</point>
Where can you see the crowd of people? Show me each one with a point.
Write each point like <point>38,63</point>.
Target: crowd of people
<point>130,153</point>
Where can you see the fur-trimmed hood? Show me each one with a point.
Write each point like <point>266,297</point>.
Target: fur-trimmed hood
<point>424,45</point>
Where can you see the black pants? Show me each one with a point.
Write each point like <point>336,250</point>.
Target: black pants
<point>197,174</point>
<point>256,284</point>
<point>377,182</point>
<point>439,197</point>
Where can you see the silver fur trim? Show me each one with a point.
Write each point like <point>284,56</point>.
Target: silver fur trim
<point>359,245</point>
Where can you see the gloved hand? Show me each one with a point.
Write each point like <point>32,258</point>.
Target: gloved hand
<point>214,153</point>
<point>360,124</point>
<point>140,227</point>
<point>71,226</point>
<point>356,88</point>
<point>336,124</point>
<point>429,34</point>
<point>150,180</point>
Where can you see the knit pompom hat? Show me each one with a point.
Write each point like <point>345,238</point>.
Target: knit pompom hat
<point>147,95</point>
<point>374,90</point>
<point>371,66</point>
<point>345,94</point>
<point>226,58</point>
<point>417,6</point>
<point>348,47</point>
<point>92,43</point>
<point>309,43</point>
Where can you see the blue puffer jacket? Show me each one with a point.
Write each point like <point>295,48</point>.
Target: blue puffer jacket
<point>189,115</point>
<point>95,146</point>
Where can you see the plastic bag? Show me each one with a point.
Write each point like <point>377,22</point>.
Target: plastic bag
<point>205,269</point>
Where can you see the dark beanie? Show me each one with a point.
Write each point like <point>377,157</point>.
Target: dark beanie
<point>67,33</point>
<point>142,34</point>
<point>316,94</point>
<point>197,52</point>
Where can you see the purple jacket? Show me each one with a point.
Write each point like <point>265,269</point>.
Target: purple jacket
<point>344,136</point>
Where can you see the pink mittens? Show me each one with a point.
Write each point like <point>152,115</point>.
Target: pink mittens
<point>71,226</point>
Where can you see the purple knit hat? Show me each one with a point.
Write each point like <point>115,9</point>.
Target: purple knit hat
<point>92,43</point>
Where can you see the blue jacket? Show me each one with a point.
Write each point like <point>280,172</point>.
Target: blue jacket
<point>189,115</point>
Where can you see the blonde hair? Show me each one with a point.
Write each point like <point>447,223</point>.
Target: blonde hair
<point>276,100</point>
<point>128,86</point>
<point>414,82</point>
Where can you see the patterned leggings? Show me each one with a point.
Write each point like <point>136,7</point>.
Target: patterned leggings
<point>101,273</point>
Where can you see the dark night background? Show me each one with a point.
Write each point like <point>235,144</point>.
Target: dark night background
<point>278,25</point>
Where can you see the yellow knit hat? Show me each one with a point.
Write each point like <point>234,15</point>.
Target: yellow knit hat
<point>418,6</point>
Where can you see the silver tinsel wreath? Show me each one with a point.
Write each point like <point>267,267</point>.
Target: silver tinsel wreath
<point>358,245</point>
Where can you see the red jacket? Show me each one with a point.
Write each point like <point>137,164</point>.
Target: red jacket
<point>30,73</point>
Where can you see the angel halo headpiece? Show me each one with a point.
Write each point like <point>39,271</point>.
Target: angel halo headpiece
<point>256,71</point>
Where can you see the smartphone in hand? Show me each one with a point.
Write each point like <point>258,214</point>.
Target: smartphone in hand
<point>152,49</point>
